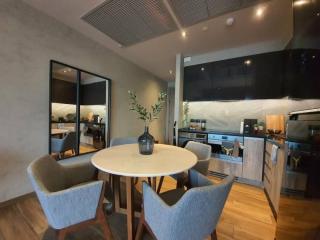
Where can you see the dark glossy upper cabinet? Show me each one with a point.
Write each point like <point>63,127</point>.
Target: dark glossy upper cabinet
<point>267,72</point>
<point>197,83</point>
<point>302,74</point>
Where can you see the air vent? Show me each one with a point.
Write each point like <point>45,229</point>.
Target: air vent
<point>131,21</point>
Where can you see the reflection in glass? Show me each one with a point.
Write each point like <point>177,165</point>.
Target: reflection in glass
<point>93,112</point>
<point>63,111</point>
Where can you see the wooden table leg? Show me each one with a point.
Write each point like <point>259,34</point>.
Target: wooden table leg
<point>116,192</point>
<point>154,183</point>
<point>130,210</point>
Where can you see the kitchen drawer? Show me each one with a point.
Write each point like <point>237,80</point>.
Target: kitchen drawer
<point>225,167</point>
<point>267,160</point>
<point>267,185</point>
<point>268,172</point>
<point>269,148</point>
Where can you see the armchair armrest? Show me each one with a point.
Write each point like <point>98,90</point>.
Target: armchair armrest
<point>56,144</point>
<point>79,173</point>
<point>73,205</point>
<point>202,166</point>
<point>196,179</point>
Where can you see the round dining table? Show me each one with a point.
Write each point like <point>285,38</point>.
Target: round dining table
<point>125,160</point>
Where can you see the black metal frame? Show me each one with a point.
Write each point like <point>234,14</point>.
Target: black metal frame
<point>108,104</point>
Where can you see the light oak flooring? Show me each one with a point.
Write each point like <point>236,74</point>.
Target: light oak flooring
<point>246,216</point>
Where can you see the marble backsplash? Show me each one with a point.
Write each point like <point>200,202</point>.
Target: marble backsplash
<point>228,115</point>
<point>61,110</point>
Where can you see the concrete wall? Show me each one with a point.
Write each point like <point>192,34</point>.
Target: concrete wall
<point>28,40</point>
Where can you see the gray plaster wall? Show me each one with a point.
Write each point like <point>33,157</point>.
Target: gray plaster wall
<point>28,40</point>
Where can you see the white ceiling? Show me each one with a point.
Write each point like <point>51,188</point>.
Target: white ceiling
<point>158,55</point>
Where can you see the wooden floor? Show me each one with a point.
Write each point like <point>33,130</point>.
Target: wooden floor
<point>246,216</point>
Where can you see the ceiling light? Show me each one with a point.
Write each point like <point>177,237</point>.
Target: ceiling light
<point>171,72</point>
<point>204,28</point>
<point>202,69</point>
<point>183,34</point>
<point>298,3</point>
<point>318,14</point>
<point>230,21</point>
<point>64,71</point>
<point>260,12</point>
<point>247,62</point>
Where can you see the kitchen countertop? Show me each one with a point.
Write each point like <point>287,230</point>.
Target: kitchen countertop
<point>232,133</point>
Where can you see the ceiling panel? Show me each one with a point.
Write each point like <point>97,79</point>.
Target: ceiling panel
<point>190,12</point>
<point>131,21</point>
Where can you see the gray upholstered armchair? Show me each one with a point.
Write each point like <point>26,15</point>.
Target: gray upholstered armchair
<point>193,214</point>
<point>68,142</point>
<point>69,195</point>
<point>203,153</point>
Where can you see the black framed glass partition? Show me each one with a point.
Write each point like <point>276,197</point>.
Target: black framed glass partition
<point>79,111</point>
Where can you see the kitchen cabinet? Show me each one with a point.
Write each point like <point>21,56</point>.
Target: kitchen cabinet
<point>63,92</point>
<point>302,73</point>
<point>93,93</point>
<point>225,167</point>
<point>253,158</point>
<point>267,75</point>
<point>273,172</point>
<point>294,73</point>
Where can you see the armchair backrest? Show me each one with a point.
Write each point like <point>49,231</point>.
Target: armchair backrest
<point>203,152</point>
<point>194,216</point>
<point>201,207</point>
<point>122,141</point>
<point>46,175</point>
<point>69,141</point>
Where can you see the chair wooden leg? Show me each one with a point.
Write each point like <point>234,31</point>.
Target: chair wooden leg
<point>149,181</point>
<point>61,234</point>
<point>136,181</point>
<point>140,227</point>
<point>214,235</point>
<point>104,225</point>
<point>160,184</point>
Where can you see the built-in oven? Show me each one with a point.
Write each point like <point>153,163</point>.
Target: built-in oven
<point>226,147</point>
<point>185,137</point>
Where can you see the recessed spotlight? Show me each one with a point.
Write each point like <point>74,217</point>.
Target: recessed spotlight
<point>260,12</point>
<point>298,3</point>
<point>247,62</point>
<point>318,14</point>
<point>313,56</point>
<point>204,28</point>
<point>230,21</point>
<point>202,69</point>
<point>64,71</point>
<point>171,72</point>
<point>184,34</point>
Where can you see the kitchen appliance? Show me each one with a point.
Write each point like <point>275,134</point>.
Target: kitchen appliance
<point>248,127</point>
<point>226,147</point>
<point>185,137</point>
<point>299,205</point>
<point>203,124</point>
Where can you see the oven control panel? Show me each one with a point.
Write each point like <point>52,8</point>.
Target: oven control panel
<point>218,138</point>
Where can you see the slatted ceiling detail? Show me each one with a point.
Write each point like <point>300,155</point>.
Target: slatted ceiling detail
<point>131,21</point>
<point>218,7</point>
<point>190,12</point>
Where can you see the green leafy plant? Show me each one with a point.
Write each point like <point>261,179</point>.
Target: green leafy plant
<point>143,113</point>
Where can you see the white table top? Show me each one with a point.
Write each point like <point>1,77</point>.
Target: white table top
<point>125,160</point>
<point>55,131</point>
